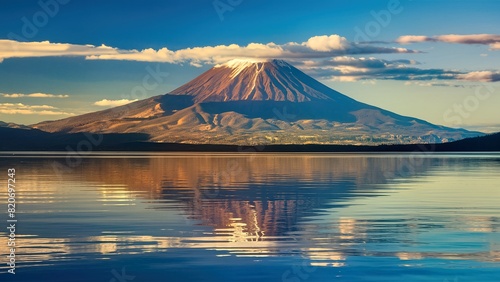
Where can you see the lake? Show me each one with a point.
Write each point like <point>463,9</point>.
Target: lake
<point>253,217</point>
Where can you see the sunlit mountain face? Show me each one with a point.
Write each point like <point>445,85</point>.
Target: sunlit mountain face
<point>249,102</point>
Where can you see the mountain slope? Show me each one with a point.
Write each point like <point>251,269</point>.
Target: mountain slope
<point>257,102</point>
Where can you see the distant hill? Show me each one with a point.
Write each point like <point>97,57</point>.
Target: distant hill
<point>485,143</point>
<point>19,139</point>
<point>13,125</point>
<point>488,143</point>
<point>15,139</point>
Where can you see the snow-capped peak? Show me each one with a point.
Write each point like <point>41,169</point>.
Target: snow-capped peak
<point>238,65</point>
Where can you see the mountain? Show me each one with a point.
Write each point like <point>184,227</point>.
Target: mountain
<point>13,125</point>
<point>246,102</point>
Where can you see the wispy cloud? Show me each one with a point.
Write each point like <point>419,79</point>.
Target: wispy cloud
<point>324,46</point>
<point>23,109</point>
<point>361,63</point>
<point>434,84</point>
<point>482,76</point>
<point>493,40</point>
<point>113,103</point>
<point>33,95</point>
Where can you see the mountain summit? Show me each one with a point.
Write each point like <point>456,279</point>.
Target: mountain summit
<point>269,80</point>
<point>252,102</point>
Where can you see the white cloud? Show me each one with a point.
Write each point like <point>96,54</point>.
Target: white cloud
<point>345,78</point>
<point>493,40</point>
<point>34,95</point>
<point>327,43</point>
<point>407,39</point>
<point>22,109</point>
<point>113,103</point>
<point>315,47</point>
<point>38,107</point>
<point>481,76</point>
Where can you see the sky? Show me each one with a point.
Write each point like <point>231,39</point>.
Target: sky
<point>434,60</point>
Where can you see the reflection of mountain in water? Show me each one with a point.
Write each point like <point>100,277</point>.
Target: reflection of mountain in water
<point>261,205</point>
<point>249,197</point>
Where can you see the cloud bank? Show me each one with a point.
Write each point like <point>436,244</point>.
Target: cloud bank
<point>324,56</point>
<point>16,49</point>
<point>347,68</point>
<point>323,46</point>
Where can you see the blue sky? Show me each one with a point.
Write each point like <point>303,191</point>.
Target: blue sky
<point>68,57</point>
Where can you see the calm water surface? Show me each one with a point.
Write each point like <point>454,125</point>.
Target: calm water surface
<point>265,217</point>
